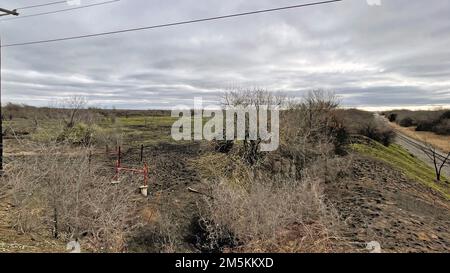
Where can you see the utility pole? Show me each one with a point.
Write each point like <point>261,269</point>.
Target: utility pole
<point>5,12</point>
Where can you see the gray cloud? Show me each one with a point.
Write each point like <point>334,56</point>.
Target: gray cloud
<point>393,55</point>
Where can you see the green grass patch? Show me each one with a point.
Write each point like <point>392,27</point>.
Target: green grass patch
<point>130,131</point>
<point>150,121</point>
<point>146,130</point>
<point>402,160</point>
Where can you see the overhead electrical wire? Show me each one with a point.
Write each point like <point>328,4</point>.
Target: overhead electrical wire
<point>42,5</point>
<point>171,24</point>
<point>59,11</point>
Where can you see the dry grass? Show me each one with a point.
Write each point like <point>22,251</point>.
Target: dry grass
<point>439,141</point>
<point>268,215</point>
<point>212,165</point>
<point>66,197</point>
<point>159,234</point>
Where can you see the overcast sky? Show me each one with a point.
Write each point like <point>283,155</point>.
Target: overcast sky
<point>393,55</point>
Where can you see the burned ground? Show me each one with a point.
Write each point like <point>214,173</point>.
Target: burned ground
<point>171,175</point>
<point>380,204</point>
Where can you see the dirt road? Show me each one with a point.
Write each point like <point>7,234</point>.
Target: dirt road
<point>415,147</point>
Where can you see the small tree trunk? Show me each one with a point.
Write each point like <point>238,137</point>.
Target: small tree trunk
<point>55,222</point>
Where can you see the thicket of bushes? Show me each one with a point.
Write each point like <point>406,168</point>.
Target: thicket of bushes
<point>383,135</point>
<point>22,111</point>
<point>64,195</point>
<point>359,122</point>
<point>268,215</point>
<point>430,121</point>
<point>277,203</point>
<point>407,122</point>
<point>81,134</point>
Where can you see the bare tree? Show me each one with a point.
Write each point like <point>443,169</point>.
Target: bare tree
<point>71,108</point>
<point>311,120</point>
<point>255,98</point>
<point>439,161</point>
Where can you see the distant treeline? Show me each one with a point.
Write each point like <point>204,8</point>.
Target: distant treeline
<point>15,111</point>
<point>431,121</point>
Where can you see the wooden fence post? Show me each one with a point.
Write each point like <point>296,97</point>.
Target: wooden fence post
<point>119,159</point>
<point>89,160</point>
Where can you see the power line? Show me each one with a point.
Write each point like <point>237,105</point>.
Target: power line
<point>171,24</point>
<point>61,10</point>
<point>43,5</point>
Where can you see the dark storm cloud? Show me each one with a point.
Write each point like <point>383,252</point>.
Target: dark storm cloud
<point>393,55</point>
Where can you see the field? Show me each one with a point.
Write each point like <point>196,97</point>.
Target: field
<point>328,188</point>
<point>440,141</point>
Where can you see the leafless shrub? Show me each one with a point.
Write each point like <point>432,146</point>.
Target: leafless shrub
<point>60,192</point>
<point>354,119</point>
<point>160,232</point>
<point>167,234</point>
<point>69,109</point>
<point>256,98</point>
<point>253,97</point>
<point>111,137</point>
<point>309,128</point>
<point>258,209</point>
<point>359,122</point>
<point>439,160</point>
<point>264,216</point>
<point>109,216</point>
<point>377,132</point>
